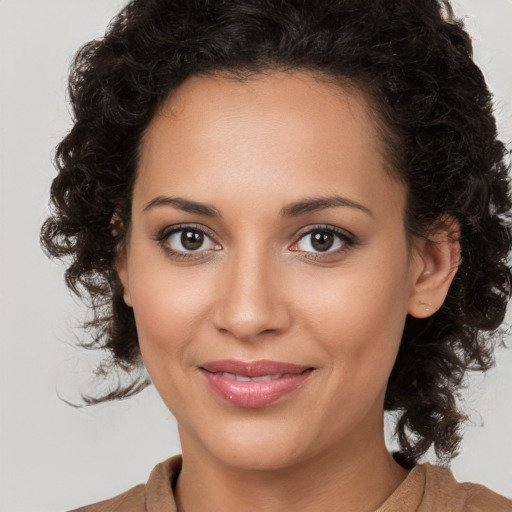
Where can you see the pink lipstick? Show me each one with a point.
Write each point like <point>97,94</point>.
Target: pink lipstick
<point>255,384</point>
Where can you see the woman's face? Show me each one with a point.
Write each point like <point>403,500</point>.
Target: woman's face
<point>268,268</point>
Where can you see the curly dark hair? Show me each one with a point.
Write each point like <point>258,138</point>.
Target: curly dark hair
<point>413,58</point>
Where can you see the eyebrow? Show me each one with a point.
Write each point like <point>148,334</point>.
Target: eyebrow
<point>307,205</point>
<point>314,204</point>
<point>186,205</point>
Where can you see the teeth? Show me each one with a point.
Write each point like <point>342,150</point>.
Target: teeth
<point>263,378</point>
<point>243,378</point>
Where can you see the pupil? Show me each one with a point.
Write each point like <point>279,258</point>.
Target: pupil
<point>322,240</point>
<point>192,240</point>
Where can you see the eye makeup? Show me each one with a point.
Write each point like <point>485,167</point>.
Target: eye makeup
<point>324,242</point>
<point>195,242</point>
<point>187,242</point>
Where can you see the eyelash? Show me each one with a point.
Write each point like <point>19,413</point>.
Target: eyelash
<point>167,232</point>
<point>346,239</point>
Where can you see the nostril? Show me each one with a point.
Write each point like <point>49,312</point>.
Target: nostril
<point>249,309</point>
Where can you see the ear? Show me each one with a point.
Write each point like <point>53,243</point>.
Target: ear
<point>121,266</point>
<point>121,259</point>
<point>435,261</point>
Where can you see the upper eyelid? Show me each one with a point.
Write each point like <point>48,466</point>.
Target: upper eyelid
<point>325,227</point>
<point>347,239</point>
<point>163,241</point>
<point>169,230</point>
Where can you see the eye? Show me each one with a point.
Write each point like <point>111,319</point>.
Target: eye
<point>185,240</point>
<point>323,240</point>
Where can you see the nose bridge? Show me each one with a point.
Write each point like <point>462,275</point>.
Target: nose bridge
<point>250,304</point>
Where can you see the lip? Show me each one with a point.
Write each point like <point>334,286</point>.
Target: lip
<point>233,382</point>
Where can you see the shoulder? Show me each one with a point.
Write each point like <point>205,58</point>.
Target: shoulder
<point>131,500</point>
<point>155,495</point>
<point>481,498</point>
<point>442,490</point>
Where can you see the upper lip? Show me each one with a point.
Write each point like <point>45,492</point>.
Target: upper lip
<point>253,368</point>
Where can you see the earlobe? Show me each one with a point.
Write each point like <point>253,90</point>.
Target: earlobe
<point>121,266</point>
<point>121,259</point>
<point>435,261</point>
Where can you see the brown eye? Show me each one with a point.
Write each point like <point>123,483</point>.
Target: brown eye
<point>322,240</point>
<point>188,240</point>
<point>191,240</point>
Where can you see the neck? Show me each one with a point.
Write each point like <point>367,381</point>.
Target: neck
<point>360,475</point>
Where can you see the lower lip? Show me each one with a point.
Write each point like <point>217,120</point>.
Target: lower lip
<point>251,394</point>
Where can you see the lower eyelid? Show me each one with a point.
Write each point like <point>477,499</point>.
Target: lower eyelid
<point>344,239</point>
<point>173,251</point>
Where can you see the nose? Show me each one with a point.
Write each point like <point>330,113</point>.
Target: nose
<point>251,301</point>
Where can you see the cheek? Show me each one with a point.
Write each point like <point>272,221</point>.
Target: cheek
<point>358,329</point>
<point>358,317</point>
<point>169,308</point>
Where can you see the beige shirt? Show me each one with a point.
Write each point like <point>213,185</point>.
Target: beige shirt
<point>427,488</point>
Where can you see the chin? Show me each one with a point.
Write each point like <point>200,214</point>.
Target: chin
<point>268,457</point>
<point>255,446</point>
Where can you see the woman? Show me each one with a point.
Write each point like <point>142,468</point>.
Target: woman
<point>294,215</point>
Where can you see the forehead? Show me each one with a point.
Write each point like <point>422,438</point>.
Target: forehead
<point>282,132</point>
<point>296,103</point>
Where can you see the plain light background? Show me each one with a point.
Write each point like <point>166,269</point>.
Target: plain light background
<point>54,457</point>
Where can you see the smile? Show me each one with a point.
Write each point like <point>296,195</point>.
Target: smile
<point>253,385</point>
<point>244,378</point>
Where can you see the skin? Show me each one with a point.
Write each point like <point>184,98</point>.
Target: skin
<point>257,289</point>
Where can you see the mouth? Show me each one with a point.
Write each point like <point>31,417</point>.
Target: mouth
<point>255,384</point>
